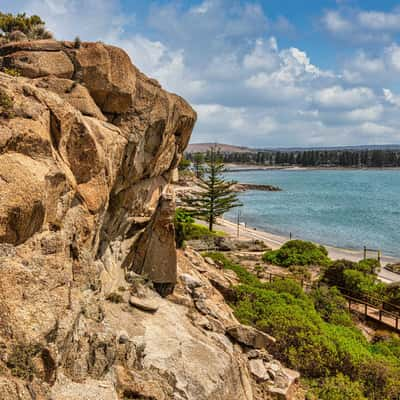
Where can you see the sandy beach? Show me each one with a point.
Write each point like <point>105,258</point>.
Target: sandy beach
<point>276,241</point>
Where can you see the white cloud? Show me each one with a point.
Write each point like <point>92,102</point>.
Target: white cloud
<point>380,21</point>
<point>361,26</point>
<point>392,56</point>
<point>224,57</point>
<point>338,97</point>
<point>391,98</point>
<point>374,69</point>
<point>264,56</point>
<point>336,23</point>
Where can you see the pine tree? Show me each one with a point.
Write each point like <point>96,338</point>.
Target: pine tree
<point>217,196</point>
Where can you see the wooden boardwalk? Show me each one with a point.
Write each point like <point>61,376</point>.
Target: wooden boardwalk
<point>373,312</point>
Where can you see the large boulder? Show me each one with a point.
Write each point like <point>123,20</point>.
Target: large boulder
<point>250,336</point>
<point>84,160</point>
<point>40,63</point>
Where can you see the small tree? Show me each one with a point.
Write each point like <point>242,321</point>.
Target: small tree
<point>217,196</point>
<point>31,26</point>
<point>198,164</point>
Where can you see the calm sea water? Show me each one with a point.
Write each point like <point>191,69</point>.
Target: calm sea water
<point>342,208</point>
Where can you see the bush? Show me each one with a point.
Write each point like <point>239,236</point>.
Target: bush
<point>12,72</point>
<point>243,275</point>
<point>331,305</point>
<point>115,298</point>
<point>339,387</point>
<point>316,336</point>
<point>184,164</point>
<point>286,286</point>
<point>298,252</point>
<point>186,229</point>
<point>369,266</point>
<point>6,105</point>
<point>392,294</point>
<point>333,275</point>
<point>361,284</point>
<point>20,362</point>
<point>77,42</point>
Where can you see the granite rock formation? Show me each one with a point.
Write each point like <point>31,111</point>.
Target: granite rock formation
<point>88,145</point>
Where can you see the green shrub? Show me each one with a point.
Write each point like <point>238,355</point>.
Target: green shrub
<point>339,387</point>
<point>115,298</point>
<point>316,335</point>
<point>392,294</point>
<point>369,266</point>
<point>244,276</point>
<point>362,285</point>
<point>286,286</point>
<point>186,229</point>
<point>12,72</point>
<point>357,278</point>
<point>6,105</point>
<point>333,274</point>
<point>77,42</point>
<point>331,305</point>
<point>6,101</point>
<point>298,252</point>
<point>20,362</point>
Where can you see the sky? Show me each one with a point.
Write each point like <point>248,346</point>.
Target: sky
<point>265,73</point>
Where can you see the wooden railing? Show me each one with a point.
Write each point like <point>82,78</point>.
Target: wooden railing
<point>373,312</point>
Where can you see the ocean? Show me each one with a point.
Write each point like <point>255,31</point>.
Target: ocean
<point>342,208</point>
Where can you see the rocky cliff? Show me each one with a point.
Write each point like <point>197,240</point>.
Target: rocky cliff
<point>87,148</point>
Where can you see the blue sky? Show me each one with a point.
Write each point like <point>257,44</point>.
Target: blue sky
<point>259,73</point>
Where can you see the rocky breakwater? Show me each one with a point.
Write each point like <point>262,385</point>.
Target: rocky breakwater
<point>87,148</point>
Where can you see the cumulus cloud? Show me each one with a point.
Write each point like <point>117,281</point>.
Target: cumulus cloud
<point>225,57</point>
<point>338,97</point>
<point>361,26</point>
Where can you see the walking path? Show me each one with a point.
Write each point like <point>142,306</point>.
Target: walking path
<point>373,312</point>
<point>276,241</point>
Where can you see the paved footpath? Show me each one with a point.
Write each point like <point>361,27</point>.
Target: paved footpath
<point>276,241</point>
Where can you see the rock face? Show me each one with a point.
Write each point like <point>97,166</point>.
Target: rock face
<point>88,145</point>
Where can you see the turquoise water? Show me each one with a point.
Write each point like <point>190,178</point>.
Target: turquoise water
<point>343,208</point>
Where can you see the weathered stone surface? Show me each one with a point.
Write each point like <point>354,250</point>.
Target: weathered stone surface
<point>108,74</point>
<point>77,190</point>
<point>250,336</point>
<point>258,370</point>
<point>74,93</point>
<point>40,63</point>
<point>86,157</point>
<point>149,305</point>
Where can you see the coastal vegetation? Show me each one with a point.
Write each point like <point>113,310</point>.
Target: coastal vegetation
<point>315,158</point>
<point>298,252</point>
<point>316,335</point>
<point>187,229</point>
<point>358,279</point>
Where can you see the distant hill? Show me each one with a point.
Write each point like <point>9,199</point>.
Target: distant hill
<point>224,148</point>
<point>228,148</point>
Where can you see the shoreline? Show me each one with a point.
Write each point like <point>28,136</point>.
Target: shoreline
<point>252,167</point>
<point>276,241</point>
